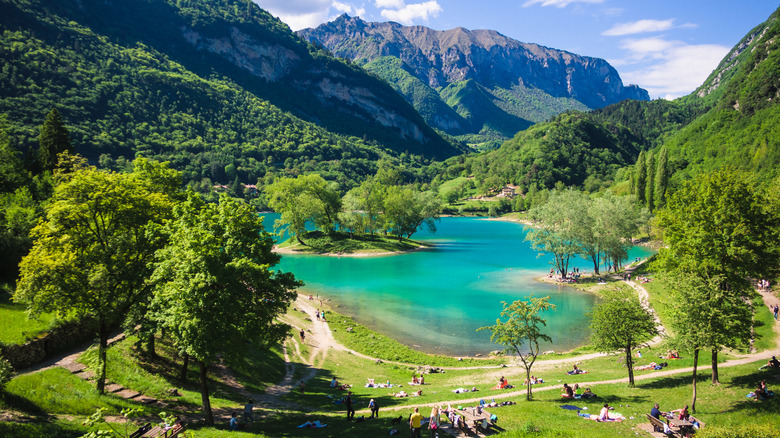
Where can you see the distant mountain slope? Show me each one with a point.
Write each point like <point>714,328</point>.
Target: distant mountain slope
<point>206,84</point>
<point>527,82</point>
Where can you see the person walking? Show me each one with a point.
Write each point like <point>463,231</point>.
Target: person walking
<point>350,408</point>
<point>415,423</point>
<point>775,310</point>
<point>248,418</point>
<point>374,408</point>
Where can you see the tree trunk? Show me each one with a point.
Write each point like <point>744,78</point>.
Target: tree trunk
<point>715,367</point>
<point>184,364</point>
<point>630,364</point>
<point>150,350</point>
<point>695,364</point>
<point>204,395</point>
<point>596,261</point>
<point>102,347</point>
<point>528,395</point>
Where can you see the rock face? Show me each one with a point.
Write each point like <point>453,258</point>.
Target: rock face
<point>442,58</point>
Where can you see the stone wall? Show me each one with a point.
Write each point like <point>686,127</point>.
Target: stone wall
<point>60,338</point>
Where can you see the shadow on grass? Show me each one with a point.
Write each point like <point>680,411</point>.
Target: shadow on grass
<point>22,404</point>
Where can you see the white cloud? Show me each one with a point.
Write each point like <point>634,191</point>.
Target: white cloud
<point>390,4</point>
<point>298,14</point>
<point>671,69</point>
<point>408,13</point>
<point>641,26</point>
<point>558,3</point>
<point>342,7</point>
<point>348,9</point>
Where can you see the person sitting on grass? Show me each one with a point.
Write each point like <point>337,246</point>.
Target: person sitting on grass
<point>234,422</point>
<point>587,394</point>
<point>604,414</point>
<point>773,363</point>
<point>567,391</point>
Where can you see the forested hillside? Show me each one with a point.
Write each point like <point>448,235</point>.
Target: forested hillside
<point>221,89</point>
<point>572,149</point>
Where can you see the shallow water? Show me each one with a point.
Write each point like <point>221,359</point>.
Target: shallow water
<point>435,299</point>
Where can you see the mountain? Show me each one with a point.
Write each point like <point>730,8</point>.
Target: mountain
<point>493,84</point>
<point>208,85</point>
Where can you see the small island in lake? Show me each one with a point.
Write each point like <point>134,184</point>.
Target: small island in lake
<point>337,243</point>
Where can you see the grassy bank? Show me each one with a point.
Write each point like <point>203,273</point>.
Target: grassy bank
<point>317,242</point>
<point>17,327</point>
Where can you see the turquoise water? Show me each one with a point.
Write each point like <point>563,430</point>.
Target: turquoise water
<point>435,299</point>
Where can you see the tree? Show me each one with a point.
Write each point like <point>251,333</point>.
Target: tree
<point>12,172</point>
<point>723,230</point>
<point>695,306</point>
<point>557,225</point>
<point>650,184</point>
<point>620,323</point>
<point>521,332</point>
<point>215,289</point>
<point>92,253</point>
<point>363,207</point>
<point>302,199</point>
<point>53,140</point>
<point>641,177</point>
<point>407,209</point>
<point>661,177</point>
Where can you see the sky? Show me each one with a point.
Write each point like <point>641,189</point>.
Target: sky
<point>667,47</point>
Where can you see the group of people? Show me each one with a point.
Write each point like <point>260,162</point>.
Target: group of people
<point>576,370</point>
<point>532,381</point>
<point>503,383</point>
<point>576,392</point>
<point>417,380</point>
<point>680,414</point>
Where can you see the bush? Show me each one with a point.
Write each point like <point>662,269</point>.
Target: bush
<point>741,431</point>
<point>5,371</point>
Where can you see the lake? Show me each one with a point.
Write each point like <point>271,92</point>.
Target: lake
<point>435,299</point>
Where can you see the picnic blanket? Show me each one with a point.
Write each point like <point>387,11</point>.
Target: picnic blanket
<point>573,408</point>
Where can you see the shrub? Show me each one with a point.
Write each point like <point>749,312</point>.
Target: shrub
<point>5,371</point>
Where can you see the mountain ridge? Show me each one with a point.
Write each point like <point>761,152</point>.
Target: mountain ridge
<point>498,64</point>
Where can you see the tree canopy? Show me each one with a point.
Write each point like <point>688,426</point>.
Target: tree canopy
<point>724,231</point>
<point>215,289</point>
<point>91,254</point>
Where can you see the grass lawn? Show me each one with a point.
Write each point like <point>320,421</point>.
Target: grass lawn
<point>16,327</point>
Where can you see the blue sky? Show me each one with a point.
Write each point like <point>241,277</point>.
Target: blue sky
<point>668,47</point>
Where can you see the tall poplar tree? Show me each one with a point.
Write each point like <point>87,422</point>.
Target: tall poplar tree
<point>53,140</point>
<point>649,184</point>
<point>661,178</point>
<point>641,177</point>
